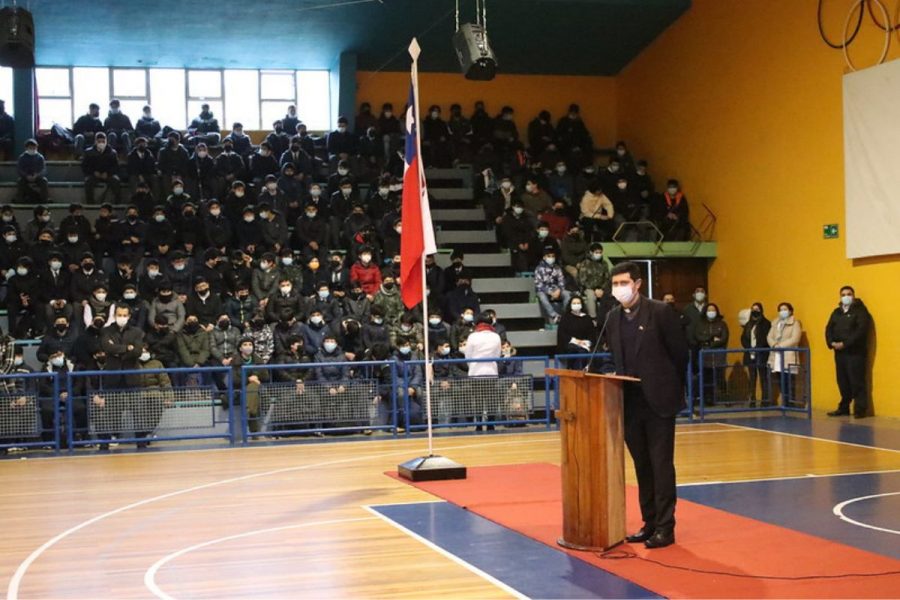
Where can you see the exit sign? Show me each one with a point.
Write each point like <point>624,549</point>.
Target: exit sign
<point>830,231</point>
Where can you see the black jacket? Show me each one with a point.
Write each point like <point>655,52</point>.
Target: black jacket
<point>95,161</point>
<point>662,354</point>
<point>851,328</point>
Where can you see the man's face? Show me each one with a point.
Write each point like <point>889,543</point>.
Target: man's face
<point>625,280</point>
<point>669,299</point>
<point>94,111</point>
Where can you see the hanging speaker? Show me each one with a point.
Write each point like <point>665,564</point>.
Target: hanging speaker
<point>474,53</point>
<point>16,37</point>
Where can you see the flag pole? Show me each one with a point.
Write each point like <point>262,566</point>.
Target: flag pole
<point>414,51</point>
<point>430,467</point>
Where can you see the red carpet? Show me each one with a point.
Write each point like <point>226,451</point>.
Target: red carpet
<point>527,499</point>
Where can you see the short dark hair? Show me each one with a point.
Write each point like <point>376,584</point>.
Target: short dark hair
<point>484,317</point>
<point>787,305</point>
<point>628,267</point>
<point>848,287</point>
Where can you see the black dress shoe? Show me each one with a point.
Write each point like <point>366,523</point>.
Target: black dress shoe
<point>660,539</point>
<point>641,536</point>
<point>839,413</point>
<point>860,415</point>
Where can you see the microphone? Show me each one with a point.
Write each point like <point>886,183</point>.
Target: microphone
<point>587,367</point>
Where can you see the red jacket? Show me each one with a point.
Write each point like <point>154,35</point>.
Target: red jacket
<point>369,277</point>
<point>559,224</point>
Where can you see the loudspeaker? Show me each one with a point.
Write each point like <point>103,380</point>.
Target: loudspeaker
<point>16,37</point>
<point>474,53</point>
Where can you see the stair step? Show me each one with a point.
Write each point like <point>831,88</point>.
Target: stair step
<point>457,214</point>
<point>504,297</point>
<point>463,172</point>
<point>518,310</point>
<point>502,284</point>
<point>532,339</point>
<point>437,204</point>
<point>477,259</point>
<point>452,193</point>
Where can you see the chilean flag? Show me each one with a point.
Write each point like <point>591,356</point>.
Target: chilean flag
<point>417,238</point>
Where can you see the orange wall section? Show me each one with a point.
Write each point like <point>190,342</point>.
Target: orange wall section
<point>742,101</point>
<point>527,94</point>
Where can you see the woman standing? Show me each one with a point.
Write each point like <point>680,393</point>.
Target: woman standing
<point>785,333</point>
<point>577,333</point>
<point>711,333</point>
<point>753,337</point>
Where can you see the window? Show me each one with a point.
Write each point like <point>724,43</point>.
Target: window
<point>242,93</point>
<point>90,84</point>
<point>167,97</point>
<point>54,91</point>
<point>6,89</point>
<point>277,90</point>
<point>130,87</point>
<point>205,87</point>
<point>314,99</point>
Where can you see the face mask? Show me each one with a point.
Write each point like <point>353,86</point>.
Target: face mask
<point>145,356</point>
<point>399,230</point>
<point>31,152</point>
<point>21,271</point>
<point>784,314</point>
<point>18,361</point>
<point>249,219</point>
<point>121,321</point>
<point>129,295</point>
<point>405,350</point>
<point>445,350</point>
<point>264,266</point>
<point>576,308</point>
<point>287,261</point>
<point>61,327</point>
<point>152,273</point>
<point>179,267</point>
<point>286,289</point>
<point>699,296</point>
<point>383,191</point>
<point>506,185</point>
<point>711,315</point>
<point>755,314</point>
<point>88,267</point>
<point>271,186</point>
<point>434,322</point>
<point>323,294</point>
<point>620,151</point>
<point>264,214</point>
<point>315,192</point>
<point>10,239</point>
<point>613,168</point>
<point>346,192</point>
<point>100,297</point>
<point>518,210</point>
<point>406,327</point>
<point>311,214</point>
<point>224,324</point>
<point>57,361</point>
<point>641,171</point>
<point>7,218</point>
<point>846,300</point>
<point>330,346</point>
<point>672,191</point>
<point>215,212</point>
<point>621,185</point>
<point>388,114</point>
<point>101,147</point>
<point>315,320</point>
<point>246,350</point>
<point>389,285</point>
<point>55,265</point>
<point>530,189</point>
<point>377,320</point>
<point>365,259</point>
<point>343,171</point>
<point>468,317</point>
<point>165,297</point>
<point>202,153</point>
<point>550,260</point>
<point>561,170</point>
<point>623,293</point>
<point>204,294</point>
<point>159,218</point>
<point>192,326</point>
<point>73,239</point>
<point>596,256</point>
<point>543,233</point>
<point>178,191</point>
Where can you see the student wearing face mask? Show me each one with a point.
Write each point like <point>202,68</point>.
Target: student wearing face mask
<point>518,232</point>
<point>550,286</point>
<point>278,139</point>
<point>647,342</point>
<point>248,355</point>
<point>293,188</point>
<point>597,213</point>
<point>286,298</point>
<point>201,178</point>
<point>754,338</point>
<point>672,214</point>
<point>573,134</point>
<point>240,141</point>
<point>462,327</point>
<point>576,334</point>
<point>786,332</point>
<point>148,127</point>
<point>100,166</point>
<point>122,344</point>
<point>155,397</point>
<point>264,281</point>
<point>263,336</point>
<point>435,139</point>
<point>204,128</point>
<point>167,305</point>
<point>59,338</point>
<point>98,305</point>
<point>31,169</point>
<point>204,304</point>
<point>230,168</point>
<point>366,273</point>
<point>139,307</point>
<point>193,344</point>
<point>23,291</point>
<point>711,332</point>
<point>273,228</point>
<point>262,164</point>
<point>388,299</point>
<point>341,143</point>
<point>408,329</point>
<point>847,334</point>
<point>248,232</point>
<point>161,341</point>
<point>118,127</point>
<point>273,196</point>
<point>310,234</point>
<point>376,331</point>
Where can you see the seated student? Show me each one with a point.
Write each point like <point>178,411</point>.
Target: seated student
<point>573,249</point>
<point>313,275</point>
<point>577,333</point>
<point>593,277</point>
<point>262,164</point>
<point>550,285</point>
<point>545,242</point>
<point>558,221</point>
<point>262,335</point>
<point>137,306</point>
<point>249,235</point>
<point>162,343</point>
<point>156,395</point>
<point>348,332</point>
<point>671,213</point>
<point>314,330</point>
<point>438,330</point>
<point>292,188</point>
<point>277,139</point>
<point>597,213</point>
<point>241,306</point>
<point>167,305</point>
<point>264,281</point>
<point>415,379</point>
<point>462,327</point>
<point>32,174</point>
<point>42,222</point>
<point>204,128</point>
<point>370,153</point>
<point>202,173</point>
<point>272,196</point>
<point>148,127</point>
<point>341,143</point>
<point>331,352</point>
<point>284,328</point>
<point>311,233</point>
<point>376,331</point>
<point>499,328</point>
<point>60,337</point>
<point>118,127</point>
<point>287,297</point>
<point>307,144</point>
<point>326,303</point>
<point>98,305</point>
<point>535,199</point>
<point>408,329</point>
<point>365,273</point>
<point>509,368</point>
<point>293,353</point>
<point>339,174</point>
<point>192,343</point>
<point>230,169</point>
<point>518,232</point>
<point>339,206</point>
<point>203,304</point>
<point>241,141</point>
<point>101,166</point>
<point>388,299</point>
<point>142,174</point>
<point>174,161</point>
<point>86,127</point>
<point>295,155</point>
<point>355,305</point>
<point>460,298</point>
<point>249,354</point>
<point>290,120</point>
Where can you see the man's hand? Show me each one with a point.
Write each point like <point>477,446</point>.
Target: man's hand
<point>226,362</point>
<point>837,345</point>
<point>599,292</point>
<point>300,387</point>
<point>253,379</point>
<point>98,401</point>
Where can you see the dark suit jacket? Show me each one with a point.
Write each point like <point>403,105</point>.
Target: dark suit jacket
<point>662,355</point>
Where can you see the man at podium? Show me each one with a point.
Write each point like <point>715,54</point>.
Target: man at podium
<point>647,342</point>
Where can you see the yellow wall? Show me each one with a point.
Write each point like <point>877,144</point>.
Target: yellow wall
<point>741,100</point>
<point>527,94</point>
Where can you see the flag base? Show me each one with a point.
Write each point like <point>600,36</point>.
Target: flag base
<point>431,468</point>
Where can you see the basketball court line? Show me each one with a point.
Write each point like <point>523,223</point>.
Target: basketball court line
<point>787,478</point>
<point>808,437</point>
<point>150,574</point>
<point>506,588</point>
<point>838,510</point>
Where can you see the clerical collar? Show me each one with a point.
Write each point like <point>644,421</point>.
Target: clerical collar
<point>632,312</point>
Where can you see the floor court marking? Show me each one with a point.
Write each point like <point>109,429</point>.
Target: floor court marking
<point>839,512</point>
<point>487,577</point>
<point>15,582</point>
<point>788,478</point>
<point>809,437</point>
<point>150,574</point>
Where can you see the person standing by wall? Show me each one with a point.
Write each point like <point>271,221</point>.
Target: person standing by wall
<point>648,342</point>
<point>847,333</point>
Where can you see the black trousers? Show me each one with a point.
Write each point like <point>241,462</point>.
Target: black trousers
<point>851,378</point>
<point>651,442</point>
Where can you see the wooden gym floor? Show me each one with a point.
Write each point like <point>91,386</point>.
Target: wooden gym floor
<point>290,520</point>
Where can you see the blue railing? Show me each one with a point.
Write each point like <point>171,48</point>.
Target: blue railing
<point>30,411</point>
<point>731,386</point>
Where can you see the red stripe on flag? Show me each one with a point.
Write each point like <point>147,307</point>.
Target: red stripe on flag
<point>412,241</point>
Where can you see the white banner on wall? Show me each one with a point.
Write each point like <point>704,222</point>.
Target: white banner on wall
<point>872,160</point>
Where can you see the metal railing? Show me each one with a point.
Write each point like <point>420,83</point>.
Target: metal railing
<point>781,375</point>
<point>30,411</point>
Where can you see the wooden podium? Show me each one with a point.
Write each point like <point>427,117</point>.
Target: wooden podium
<point>593,459</point>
